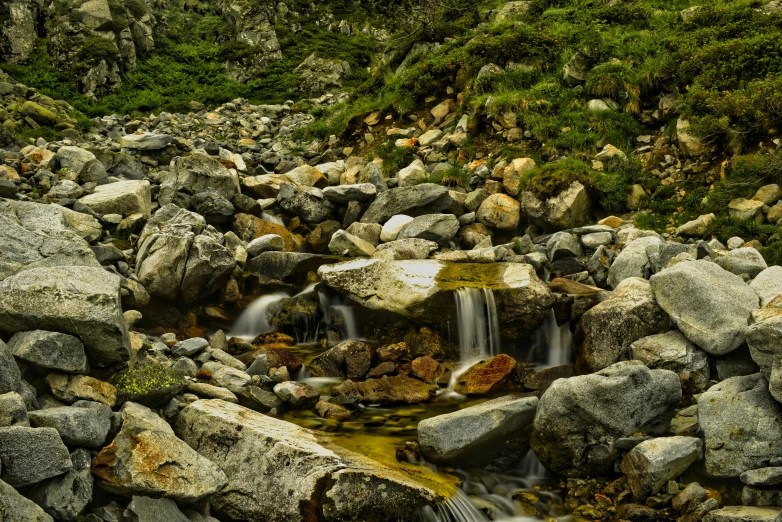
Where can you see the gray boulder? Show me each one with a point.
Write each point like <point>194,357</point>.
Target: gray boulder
<point>344,194</point>
<point>768,284</point>
<point>297,395</point>
<point>405,249</point>
<point>440,228</point>
<point>82,164</point>
<point>197,173</point>
<point>215,208</point>
<point>145,141</point>
<point>122,197</point>
<point>412,201</point>
<point>30,455</point>
<point>209,266</point>
<point>85,424</point>
<point>710,305</point>
<point>147,509</point>
<point>81,301</point>
<point>765,346</point>
<point>494,434</point>
<point>652,463</point>
<point>265,243</point>
<point>742,426</point>
<point>50,350</point>
<point>562,245</point>
<point>637,259</point>
<point>139,461</point>
<point>771,476</point>
<point>66,497</point>
<point>16,508</point>
<point>344,244</point>
<point>304,202</point>
<point>13,411</point>
<point>579,418</point>
<point>672,351</point>
<point>10,376</point>
<point>742,261</point>
<point>744,514</point>
<point>263,456</point>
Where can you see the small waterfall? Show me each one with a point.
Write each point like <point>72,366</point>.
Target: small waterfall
<point>271,218</point>
<point>478,323</point>
<point>557,341</point>
<point>252,322</point>
<point>458,508</point>
<point>339,315</point>
<point>532,467</point>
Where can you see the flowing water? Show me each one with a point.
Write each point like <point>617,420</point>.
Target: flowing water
<point>478,323</point>
<point>271,218</point>
<point>339,314</point>
<point>253,322</point>
<point>556,343</point>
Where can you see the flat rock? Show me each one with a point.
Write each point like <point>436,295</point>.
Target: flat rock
<point>407,200</point>
<point>85,424</point>
<point>50,350</point>
<point>743,514</point>
<point>762,477</point>
<point>122,197</point>
<point>652,463</point>
<point>72,388</point>
<point>145,141</point>
<point>387,390</point>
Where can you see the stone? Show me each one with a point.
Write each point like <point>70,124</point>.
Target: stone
<point>697,227</point>
<point>771,476</point>
<point>215,208</point>
<point>768,285</point>
<point>386,390</point>
<point>72,388</point>
<point>345,244</point>
<point>265,243</point>
<point>637,259</point>
<point>369,232</point>
<point>742,261</point>
<point>145,141</point>
<point>10,376</point>
<point>742,426</point>
<point>30,455</point>
<point>208,391</point>
<point>486,376</point>
<point>709,305</point>
<point>513,174</point>
<point>597,239</point>
<point>16,508</point>
<point>562,245</point>
<point>140,461</point>
<point>343,194</point>
<point>440,228</point>
<point>651,464</point>
<point>692,146</point>
<point>688,498</point>
<point>50,350</point>
<point>13,411</point>
<point>39,114</point>
<point>493,434</point>
<point>297,395</point>
<point>607,330</point>
<point>209,266</point>
<point>570,208</point>
<point>407,200</point>
<point>306,203</point>
<point>122,197</point>
<point>392,227</point>
<point>764,340</point>
<point>743,514</point>
<point>264,456</point>
<point>746,209</point>
<point>768,194</point>
<point>81,301</point>
<point>146,509</point>
<point>197,173</point>
<point>499,211</point>
<point>95,14</point>
<point>351,359</point>
<point>85,424</point>
<point>578,419</point>
<point>672,351</point>
<point>66,497</point>
<point>249,227</point>
<point>405,249</point>
<point>189,347</point>
<point>150,384</point>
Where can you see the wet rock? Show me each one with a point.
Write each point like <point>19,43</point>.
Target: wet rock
<point>486,376</point>
<point>329,410</point>
<point>72,388</point>
<point>123,197</point>
<point>16,508</point>
<point>651,464</point>
<point>742,426</point>
<point>387,390</point>
<point>50,350</point>
<point>146,458</point>
<point>263,456</point>
<point>709,305</point>
<point>351,359</point>
<point>297,395</point>
<point>66,497</point>
<point>249,227</point>
<point>607,330</point>
<point>743,514</point>
<point>428,370</point>
<point>579,418</point>
<point>289,267</point>
<point>493,434</point>
<point>30,455</point>
<point>259,400</point>
<point>85,424</point>
<point>672,351</point>
<point>407,200</point>
<point>80,301</point>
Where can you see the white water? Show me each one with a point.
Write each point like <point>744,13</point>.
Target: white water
<point>339,315</point>
<point>458,508</point>
<point>252,322</point>
<point>271,218</point>
<point>479,329</point>
<point>556,340</point>
<point>532,467</point>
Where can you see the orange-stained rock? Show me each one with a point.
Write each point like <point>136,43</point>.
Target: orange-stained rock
<point>249,227</point>
<point>486,376</point>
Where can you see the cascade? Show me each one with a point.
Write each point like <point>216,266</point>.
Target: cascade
<point>557,342</point>
<point>457,508</point>
<point>339,315</point>
<point>271,218</point>
<point>478,323</point>
<point>253,322</point>
<point>531,467</point>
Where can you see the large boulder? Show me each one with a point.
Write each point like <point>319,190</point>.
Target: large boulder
<point>568,209</point>
<point>146,458</point>
<point>440,228</point>
<point>30,455</point>
<point>422,290</point>
<point>742,426</point>
<point>85,424</point>
<point>50,350</point>
<point>637,259</point>
<point>123,197</point>
<point>412,201</point>
<point>81,301</point>
<point>768,284</point>
<point>197,173</point>
<point>499,211</point>
<point>579,418</point>
<point>710,305</point>
<point>672,351</point>
<point>607,330</point>
<point>650,465</point>
<point>66,497</point>
<point>743,261</point>
<point>494,434</point>
<point>263,456</point>
<point>82,165</point>
<point>306,203</point>
<point>16,508</point>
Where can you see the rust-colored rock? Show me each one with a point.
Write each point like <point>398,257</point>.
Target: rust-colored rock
<point>72,388</point>
<point>428,370</point>
<point>276,357</point>
<point>486,376</point>
<point>387,390</point>
<point>250,227</point>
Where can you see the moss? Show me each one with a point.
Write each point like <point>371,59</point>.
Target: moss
<point>150,384</point>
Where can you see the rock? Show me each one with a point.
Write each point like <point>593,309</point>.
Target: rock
<point>407,200</point>
<point>13,411</point>
<point>386,390</point>
<point>768,194</point>
<point>689,498</point>
<point>692,146</point>
<point>209,266</point>
<point>40,115</point>
<point>597,239</point>
<point>16,508</point>
<point>440,228</point>
<point>66,189</point>
<point>214,207</point>
<point>493,434</point>
<point>499,211</point>
<point>651,464</point>
<point>66,497</point>
<point>81,301</point>
<point>562,245</point>
<point>152,385</point>
<point>568,209</point>
<point>405,250</point>
<point>513,174</point>
<point>249,227</point>
<point>636,259</point>
<point>348,245</point>
<point>264,456</point>
<point>146,509</point>
<point>709,305</point>
<point>289,267</point>
<point>672,351</point>
<point>575,70</point>
<point>30,455</point>
<point>85,424</point>
<point>369,232</point>
<point>344,194</point>
<point>607,330</point>
<point>146,458</point>
<point>351,359</point>
<point>50,350</point>
<point>122,197</point>
<point>208,391</point>
<point>746,209</point>
<point>297,395</point>
<point>762,477</point>
<point>742,426</point>
<point>10,376</point>
<point>95,14</point>
<point>742,261</point>
<point>266,243</point>
<point>197,173</point>
<point>598,105</point>
<point>72,388</point>
<point>393,227</point>
<point>82,165</point>
<point>305,203</point>
<point>697,227</point>
<point>145,141</point>
<point>189,347</point>
<point>764,339</point>
<point>743,514</point>
<point>578,419</point>
<point>486,376</point>
<point>768,284</point>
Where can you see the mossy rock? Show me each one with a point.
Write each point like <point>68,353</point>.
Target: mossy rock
<point>41,115</point>
<point>152,385</point>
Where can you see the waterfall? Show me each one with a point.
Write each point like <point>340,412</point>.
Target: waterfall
<point>457,508</point>
<point>532,467</point>
<point>339,315</point>
<point>271,218</point>
<point>556,340</point>
<point>478,323</point>
<point>252,322</point>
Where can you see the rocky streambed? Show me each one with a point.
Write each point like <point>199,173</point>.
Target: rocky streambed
<point>202,319</point>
